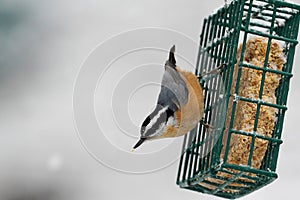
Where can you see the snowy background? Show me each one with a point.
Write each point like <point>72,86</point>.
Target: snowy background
<point>43,46</point>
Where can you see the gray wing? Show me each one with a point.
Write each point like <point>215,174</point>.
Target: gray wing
<point>174,91</point>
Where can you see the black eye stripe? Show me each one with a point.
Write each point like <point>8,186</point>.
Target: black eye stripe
<point>170,113</point>
<point>151,116</point>
<point>146,122</point>
<point>161,120</point>
<point>159,117</point>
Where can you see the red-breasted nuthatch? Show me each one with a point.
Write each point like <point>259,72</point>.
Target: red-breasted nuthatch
<point>179,106</point>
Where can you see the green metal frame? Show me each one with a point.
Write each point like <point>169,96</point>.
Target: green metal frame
<point>219,42</point>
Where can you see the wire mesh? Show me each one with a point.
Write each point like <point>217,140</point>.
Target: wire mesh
<point>205,164</point>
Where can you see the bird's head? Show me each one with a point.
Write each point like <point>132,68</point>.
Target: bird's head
<point>155,124</point>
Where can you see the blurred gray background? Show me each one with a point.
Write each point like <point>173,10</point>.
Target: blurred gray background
<point>43,45</point>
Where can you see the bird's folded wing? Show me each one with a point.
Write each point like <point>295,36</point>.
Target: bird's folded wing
<point>174,92</point>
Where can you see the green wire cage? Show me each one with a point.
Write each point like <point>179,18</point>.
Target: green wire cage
<point>214,160</point>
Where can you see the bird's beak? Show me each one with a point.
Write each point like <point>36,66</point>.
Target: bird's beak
<point>139,143</point>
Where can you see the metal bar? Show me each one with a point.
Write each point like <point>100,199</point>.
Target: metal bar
<point>181,159</point>
<point>261,88</point>
<point>285,4</point>
<point>269,36</point>
<point>228,182</point>
<point>257,101</point>
<point>267,69</point>
<point>253,134</point>
<point>237,86</point>
<point>259,25</point>
<point>245,183</point>
<point>251,170</point>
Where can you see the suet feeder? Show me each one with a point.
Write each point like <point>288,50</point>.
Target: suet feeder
<point>255,40</point>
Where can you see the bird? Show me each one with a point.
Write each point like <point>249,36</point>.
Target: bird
<point>180,104</point>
